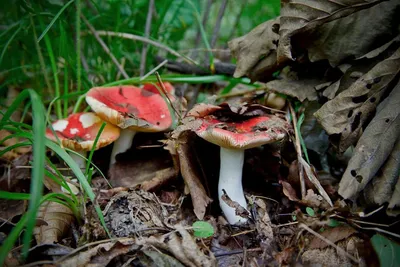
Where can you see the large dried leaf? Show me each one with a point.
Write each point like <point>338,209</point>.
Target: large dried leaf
<point>381,188</point>
<point>256,51</point>
<point>301,89</point>
<point>56,222</point>
<point>332,234</point>
<point>347,112</point>
<point>374,147</point>
<point>303,16</point>
<point>191,175</point>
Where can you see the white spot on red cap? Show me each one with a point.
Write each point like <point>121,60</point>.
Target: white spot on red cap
<point>60,125</point>
<point>162,116</point>
<point>88,119</point>
<point>74,131</point>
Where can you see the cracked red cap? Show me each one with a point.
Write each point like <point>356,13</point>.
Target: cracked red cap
<point>241,133</point>
<point>79,131</point>
<point>130,107</point>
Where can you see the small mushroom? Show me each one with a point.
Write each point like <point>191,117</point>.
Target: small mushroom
<point>234,135</point>
<point>132,109</point>
<point>78,132</point>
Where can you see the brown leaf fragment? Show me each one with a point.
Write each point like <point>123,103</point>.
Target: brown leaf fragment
<point>264,224</point>
<point>156,258</point>
<point>301,89</point>
<point>11,208</point>
<point>256,51</point>
<point>348,111</point>
<point>289,191</point>
<point>301,17</point>
<point>191,175</point>
<point>333,234</point>
<point>102,254</point>
<point>58,219</point>
<point>239,210</point>
<point>374,146</point>
<point>381,188</point>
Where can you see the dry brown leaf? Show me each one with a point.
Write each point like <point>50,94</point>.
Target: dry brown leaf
<point>191,175</point>
<point>256,51</point>
<point>102,254</point>
<point>381,188</point>
<point>14,153</point>
<point>289,191</point>
<point>346,114</point>
<point>374,146</point>
<point>303,16</point>
<point>57,218</point>
<point>332,234</point>
<point>182,246</point>
<point>376,52</point>
<point>11,208</point>
<point>263,224</point>
<point>301,89</point>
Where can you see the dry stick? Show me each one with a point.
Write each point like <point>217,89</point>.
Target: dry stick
<point>166,95</point>
<point>104,46</point>
<point>302,225</point>
<point>299,154</point>
<point>146,34</point>
<point>145,40</point>
<point>154,70</point>
<point>123,60</point>
<point>218,22</point>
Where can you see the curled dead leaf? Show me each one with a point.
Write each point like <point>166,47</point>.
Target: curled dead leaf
<point>57,220</point>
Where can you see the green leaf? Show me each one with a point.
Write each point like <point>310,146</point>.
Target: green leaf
<point>202,229</point>
<point>388,251</point>
<point>333,223</point>
<point>310,211</point>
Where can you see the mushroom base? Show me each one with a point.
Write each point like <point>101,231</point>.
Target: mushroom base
<point>230,180</point>
<point>79,159</point>
<point>123,143</point>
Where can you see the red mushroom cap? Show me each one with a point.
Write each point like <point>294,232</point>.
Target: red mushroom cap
<point>130,107</point>
<point>249,133</point>
<point>79,131</point>
<point>152,88</point>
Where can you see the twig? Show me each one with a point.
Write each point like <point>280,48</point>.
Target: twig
<point>287,224</point>
<point>145,40</point>
<point>237,251</point>
<point>146,34</point>
<point>104,46</point>
<point>154,70</point>
<point>123,60</point>
<point>166,95</point>
<point>299,153</point>
<point>378,230</point>
<point>243,232</point>
<point>302,225</point>
<point>218,22</point>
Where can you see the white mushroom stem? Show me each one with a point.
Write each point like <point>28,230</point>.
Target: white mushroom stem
<point>230,180</point>
<point>123,143</point>
<point>79,159</point>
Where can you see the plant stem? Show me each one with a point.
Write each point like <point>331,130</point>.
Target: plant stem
<point>123,143</point>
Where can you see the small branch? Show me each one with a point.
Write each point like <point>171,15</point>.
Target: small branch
<point>184,68</point>
<point>218,23</point>
<point>104,46</point>
<point>154,70</point>
<point>204,21</point>
<point>302,225</point>
<point>166,95</point>
<point>299,153</point>
<point>146,34</point>
<point>145,40</point>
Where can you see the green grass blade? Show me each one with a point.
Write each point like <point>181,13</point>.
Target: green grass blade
<point>89,159</point>
<point>11,238</point>
<point>14,196</point>
<point>303,145</point>
<point>36,189</point>
<point>8,43</point>
<point>54,20</point>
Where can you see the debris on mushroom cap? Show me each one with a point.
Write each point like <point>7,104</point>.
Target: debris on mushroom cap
<point>152,87</point>
<point>223,126</point>
<point>252,132</point>
<point>79,131</point>
<point>130,107</point>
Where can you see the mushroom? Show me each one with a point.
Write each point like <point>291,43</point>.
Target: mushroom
<point>234,133</point>
<point>152,88</point>
<point>78,132</point>
<point>132,109</point>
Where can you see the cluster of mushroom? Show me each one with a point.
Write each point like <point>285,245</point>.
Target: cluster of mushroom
<point>125,110</point>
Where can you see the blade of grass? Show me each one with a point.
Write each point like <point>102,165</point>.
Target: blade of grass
<point>54,20</point>
<point>89,159</point>
<point>54,69</point>
<point>11,238</point>
<point>303,145</point>
<point>78,44</point>
<point>9,42</point>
